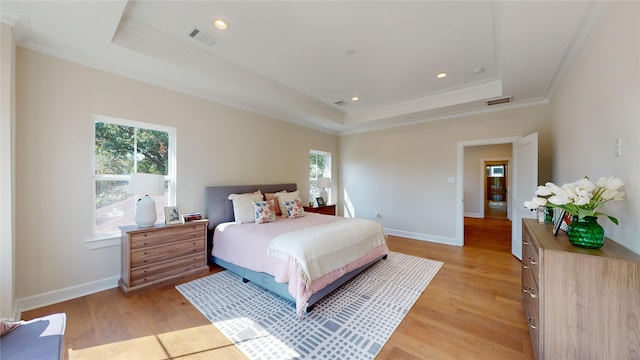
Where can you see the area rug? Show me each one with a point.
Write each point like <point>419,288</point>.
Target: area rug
<point>353,322</point>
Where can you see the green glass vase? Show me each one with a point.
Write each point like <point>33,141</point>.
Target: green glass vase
<point>586,232</point>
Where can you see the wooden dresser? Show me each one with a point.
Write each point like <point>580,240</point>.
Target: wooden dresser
<point>162,254</point>
<point>325,209</point>
<point>580,303</point>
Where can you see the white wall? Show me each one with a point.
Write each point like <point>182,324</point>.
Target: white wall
<point>402,173</point>
<point>7,155</point>
<point>474,174</point>
<point>216,145</point>
<point>598,102</point>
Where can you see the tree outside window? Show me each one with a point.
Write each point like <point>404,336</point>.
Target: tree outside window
<point>121,148</point>
<point>319,166</point>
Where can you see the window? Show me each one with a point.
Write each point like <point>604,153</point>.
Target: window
<point>319,166</point>
<point>123,147</point>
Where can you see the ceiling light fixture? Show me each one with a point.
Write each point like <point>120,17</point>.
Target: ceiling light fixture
<point>220,24</point>
<point>442,75</point>
<point>355,98</point>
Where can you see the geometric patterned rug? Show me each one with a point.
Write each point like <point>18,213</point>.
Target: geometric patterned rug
<point>353,322</point>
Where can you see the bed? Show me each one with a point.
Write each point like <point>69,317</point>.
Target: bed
<point>233,246</point>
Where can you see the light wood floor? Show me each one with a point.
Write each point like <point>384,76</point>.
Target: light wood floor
<point>471,310</point>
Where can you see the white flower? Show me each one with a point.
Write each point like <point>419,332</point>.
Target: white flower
<point>561,199</point>
<point>620,195</point>
<point>535,203</point>
<point>585,185</point>
<point>608,194</point>
<point>581,200</point>
<point>610,183</point>
<point>569,190</point>
<point>543,191</point>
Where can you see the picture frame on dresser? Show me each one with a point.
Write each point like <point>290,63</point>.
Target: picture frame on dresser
<point>557,220</point>
<point>172,215</point>
<point>320,201</point>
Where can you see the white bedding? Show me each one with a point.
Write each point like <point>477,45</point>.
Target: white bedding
<point>319,250</point>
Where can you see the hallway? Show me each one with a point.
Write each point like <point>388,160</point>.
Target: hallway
<point>488,233</point>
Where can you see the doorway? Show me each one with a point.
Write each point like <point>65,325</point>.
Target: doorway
<point>496,185</point>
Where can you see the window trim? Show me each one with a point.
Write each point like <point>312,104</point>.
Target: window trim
<point>97,241</point>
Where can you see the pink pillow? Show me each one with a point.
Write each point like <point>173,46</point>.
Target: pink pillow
<point>276,206</point>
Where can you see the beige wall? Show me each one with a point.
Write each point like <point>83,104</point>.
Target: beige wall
<point>402,173</point>
<point>599,102</point>
<point>474,174</point>
<point>216,145</point>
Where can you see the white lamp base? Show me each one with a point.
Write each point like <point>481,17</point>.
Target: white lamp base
<point>146,212</point>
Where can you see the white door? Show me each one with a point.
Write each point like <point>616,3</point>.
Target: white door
<point>525,183</point>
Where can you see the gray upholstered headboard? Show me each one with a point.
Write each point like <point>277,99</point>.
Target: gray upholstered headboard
<point>219,209</point>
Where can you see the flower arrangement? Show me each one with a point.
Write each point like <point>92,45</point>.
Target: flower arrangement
<point>581,198</point>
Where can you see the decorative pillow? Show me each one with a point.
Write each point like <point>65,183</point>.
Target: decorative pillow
<point>286,196</point>
<point>243,206</point>
<point>265,212</point>
<point>294,209</point>
<point>276,205</point>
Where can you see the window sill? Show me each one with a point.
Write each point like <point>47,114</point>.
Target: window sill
<point>103,242</point>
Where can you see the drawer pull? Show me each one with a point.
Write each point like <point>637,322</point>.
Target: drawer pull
<point>531,325</point>
<point>525,242</point>
<point>524,265</point>
<point>525,289</point>
<point>532,261</point>
<point>532,293</point>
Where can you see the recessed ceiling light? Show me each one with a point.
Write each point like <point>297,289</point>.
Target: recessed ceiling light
<point>350,52</point>
<point>220,24</point>
<point>442,75</point>
<point>355,98</point>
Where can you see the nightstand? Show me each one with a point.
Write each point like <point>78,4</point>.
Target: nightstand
<point>326,209</point>
<point>162,254</point>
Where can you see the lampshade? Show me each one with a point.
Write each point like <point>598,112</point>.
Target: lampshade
<point>324,182</point>
<point>146,184</point>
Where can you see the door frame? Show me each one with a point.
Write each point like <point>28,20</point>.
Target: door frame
<point>460,176</point>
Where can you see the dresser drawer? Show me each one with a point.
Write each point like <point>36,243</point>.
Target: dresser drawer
<point>168,235</point>
<point>530,295</point>
<point>154,254</point>
<point>161,271</point>
<point>530,257</point>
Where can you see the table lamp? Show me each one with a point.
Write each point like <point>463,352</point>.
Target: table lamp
<point>324,183</point>
<point>146,184</point>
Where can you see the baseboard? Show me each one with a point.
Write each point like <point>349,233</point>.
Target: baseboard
<point>423,237</point>
<point>56,296</point>
<point>474,215</point>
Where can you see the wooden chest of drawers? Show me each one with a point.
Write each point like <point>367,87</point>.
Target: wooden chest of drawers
<point>325,209</point>
<point>162,254</point>
<point>580,303</point>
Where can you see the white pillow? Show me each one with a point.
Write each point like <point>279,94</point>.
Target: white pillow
<point>286,196</point>
<point>243,210</point>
